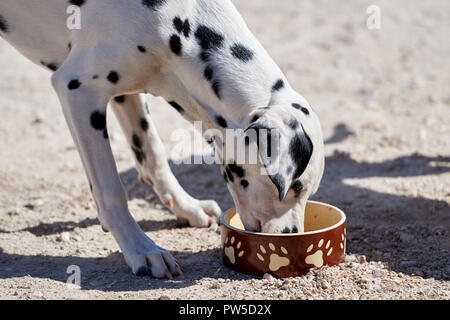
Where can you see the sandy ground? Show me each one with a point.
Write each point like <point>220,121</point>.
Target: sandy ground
<point>384,102</point>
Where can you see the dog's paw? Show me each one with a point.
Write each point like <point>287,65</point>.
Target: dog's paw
<point>144,257</point>
<point>197,213</point>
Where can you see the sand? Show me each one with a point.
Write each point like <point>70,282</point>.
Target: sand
<point>384,103</point>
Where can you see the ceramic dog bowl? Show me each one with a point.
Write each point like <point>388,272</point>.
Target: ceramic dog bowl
<point>285,255</point>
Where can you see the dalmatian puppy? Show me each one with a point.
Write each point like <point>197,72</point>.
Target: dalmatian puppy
<point>201,57</point>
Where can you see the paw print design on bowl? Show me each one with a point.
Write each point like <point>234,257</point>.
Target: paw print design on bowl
<point>275,261</point>
<point>343,243</point>
<point>230,250</point>
<point>317,257</point>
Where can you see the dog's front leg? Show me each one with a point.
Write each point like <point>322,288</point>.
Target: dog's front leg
<point>84,98</point>
<point>152,164</point>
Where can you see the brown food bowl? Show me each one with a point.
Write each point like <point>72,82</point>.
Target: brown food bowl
<point>285,255</point>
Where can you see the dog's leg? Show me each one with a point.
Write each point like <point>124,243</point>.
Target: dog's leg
<point>152,163</point>
<point>84,98</point>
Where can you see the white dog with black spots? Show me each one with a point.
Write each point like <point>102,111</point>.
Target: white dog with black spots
<point>202,58</point>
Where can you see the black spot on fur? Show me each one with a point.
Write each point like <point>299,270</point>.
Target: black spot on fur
<point>175,44</point>
<point>178,24</point>
<point>176,106</point>
<point>297,187</point>
<point>216,88</point>
<point>181,26</point>
<point>229,174</point>
<point>242,53</point>
<point>139,154</point>
<point>95,76</point>
<point>4,27</point>
<point>74,84</point>
<point>153,4</point>
<point>98,120</point>
<point>142,49</point>
<point>137,142</point>
<point>293,124</point>
<point>239,171</point>
<point>302,109</point>
<point>209,73</point>
<point>286,230</point>
<point>77,2</point>
<point>52,65</point>
<point>137,148</point>
<point>113,77</point>
<point>300,150</point>
<point>221,121</point>
<point>278,85</point>
<point>244,183</point>
<point>69,46</point>
<point>119,99</point>
<point>144,124</point>
<point>207,38</point>
<point>186,28</point>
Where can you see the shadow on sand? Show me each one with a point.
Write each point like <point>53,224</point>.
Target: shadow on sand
<point>380,225</point>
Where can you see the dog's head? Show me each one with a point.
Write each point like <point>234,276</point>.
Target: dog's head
<point>270,195</point>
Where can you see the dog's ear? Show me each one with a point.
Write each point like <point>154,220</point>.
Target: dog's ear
<point>285,157</point>
<point>300,151</point>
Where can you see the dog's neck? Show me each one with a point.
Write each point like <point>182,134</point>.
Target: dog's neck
<point>224,69</point>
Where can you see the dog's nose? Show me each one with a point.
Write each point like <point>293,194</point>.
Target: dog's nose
<point>292,229</point>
